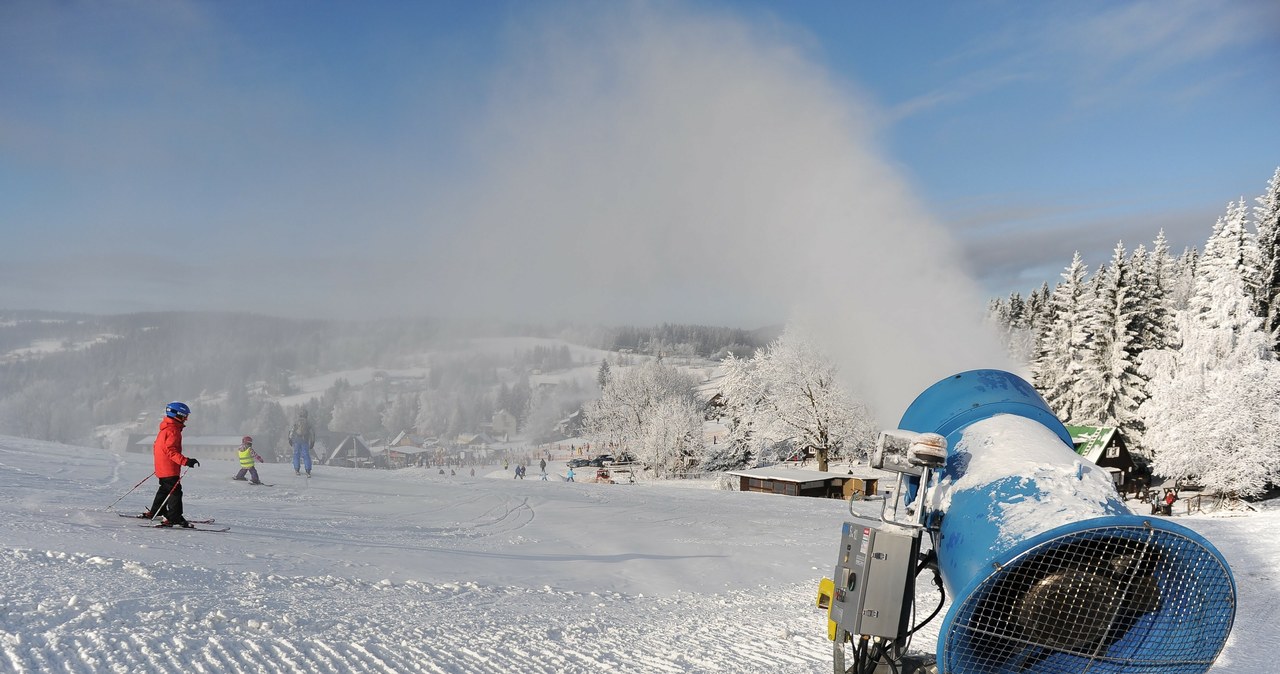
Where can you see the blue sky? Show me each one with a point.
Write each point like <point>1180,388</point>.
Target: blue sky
<point>696,161</point>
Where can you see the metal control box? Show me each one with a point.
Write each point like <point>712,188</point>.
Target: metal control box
<point>874,579</point>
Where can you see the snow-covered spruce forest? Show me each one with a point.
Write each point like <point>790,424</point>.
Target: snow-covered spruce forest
<point>1177,350</point>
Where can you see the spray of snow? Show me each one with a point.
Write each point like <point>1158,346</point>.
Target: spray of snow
<point>650,162</point>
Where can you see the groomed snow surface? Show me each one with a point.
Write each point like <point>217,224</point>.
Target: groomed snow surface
<point>412,571</point>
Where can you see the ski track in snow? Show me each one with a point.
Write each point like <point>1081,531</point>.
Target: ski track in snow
<point>117,616</point>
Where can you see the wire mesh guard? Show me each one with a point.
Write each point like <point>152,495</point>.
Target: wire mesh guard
<point>1111,599</point>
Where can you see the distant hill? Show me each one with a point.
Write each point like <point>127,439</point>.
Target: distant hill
<point>66,377</point>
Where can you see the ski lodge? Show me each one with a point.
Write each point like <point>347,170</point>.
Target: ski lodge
<point>198,446</point>
<point>798,482</point>
<point>1106,448</point>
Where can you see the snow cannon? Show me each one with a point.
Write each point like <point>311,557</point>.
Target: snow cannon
<point>1047,568</point>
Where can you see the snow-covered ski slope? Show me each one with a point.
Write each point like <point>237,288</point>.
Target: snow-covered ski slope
<point>411,571</point>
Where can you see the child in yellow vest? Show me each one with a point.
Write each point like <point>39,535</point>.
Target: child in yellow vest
<point>247,456</point>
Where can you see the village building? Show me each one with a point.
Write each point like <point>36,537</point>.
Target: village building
<point>351,451</point>
<point>200,447</point>
<point>504,424</point>
<point>1105,447</point>
<point>797,482</point>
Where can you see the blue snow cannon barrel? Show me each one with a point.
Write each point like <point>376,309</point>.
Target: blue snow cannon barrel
<point>1047,569</point>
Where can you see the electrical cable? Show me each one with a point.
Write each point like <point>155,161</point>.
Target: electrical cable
<point>942,599</point>
<point>929,560</point>
<point>893,666</point>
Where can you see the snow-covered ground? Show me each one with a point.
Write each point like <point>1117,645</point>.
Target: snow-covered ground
<point>412,571</point>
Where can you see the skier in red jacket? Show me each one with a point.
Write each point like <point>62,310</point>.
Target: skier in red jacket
<point>169,462</point>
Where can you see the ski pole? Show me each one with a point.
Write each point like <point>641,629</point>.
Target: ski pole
<point>159,510</point>
<point>131,490</point>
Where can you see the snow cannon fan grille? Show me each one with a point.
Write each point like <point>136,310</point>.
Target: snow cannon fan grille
<point>1110,599</point>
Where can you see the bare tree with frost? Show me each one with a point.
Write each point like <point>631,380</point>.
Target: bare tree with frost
<point>789,391</point>
<point>650,410</point>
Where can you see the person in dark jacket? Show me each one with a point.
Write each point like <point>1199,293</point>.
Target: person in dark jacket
<point>303,438</point>
<point>169,461</point>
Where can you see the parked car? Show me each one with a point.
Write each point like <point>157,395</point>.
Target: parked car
<point>602,460</point>
<point>578,463</point>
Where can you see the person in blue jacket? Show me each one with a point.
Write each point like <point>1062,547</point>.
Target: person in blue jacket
<point>303,438</point>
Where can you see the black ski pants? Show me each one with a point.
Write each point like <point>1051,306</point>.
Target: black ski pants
<point>172,508</point>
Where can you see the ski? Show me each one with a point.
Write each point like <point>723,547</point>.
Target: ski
<point>143,517</point>
<point>259,484</point>
<point>208,529</point>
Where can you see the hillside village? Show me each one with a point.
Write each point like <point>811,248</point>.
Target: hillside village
<point>390,396</point>
<point>503,435</point>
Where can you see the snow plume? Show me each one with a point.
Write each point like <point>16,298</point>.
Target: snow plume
<point>651,162</point>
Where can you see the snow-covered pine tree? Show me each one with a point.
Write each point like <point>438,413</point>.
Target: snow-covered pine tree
<point>998,313</point>
<point>1157,279</point>
<point>1012,320</point>
<point>1042,322</point>
<point>1230,252</point>
<point>1037,304</point>
<point>1182,279</point>
<point>602,374</point>
<point>1266,220</point>
<point>1064,345</point>
<point>1021,338</point>
<point>1152,329</point>
<point>1214,406</point>
<point>1115,388</point>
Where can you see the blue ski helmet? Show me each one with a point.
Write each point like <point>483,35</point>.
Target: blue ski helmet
<point>177,410</point>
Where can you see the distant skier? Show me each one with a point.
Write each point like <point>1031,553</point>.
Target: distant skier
<point>303,438</point>
<point>247,457</point>
<point>569,476</point>
<point>169,462</point>
<point>542,463</point>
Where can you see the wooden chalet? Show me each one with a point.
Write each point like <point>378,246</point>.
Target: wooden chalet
<point>795,482</point>
<point>1106,448</point>
<point>351,452</point>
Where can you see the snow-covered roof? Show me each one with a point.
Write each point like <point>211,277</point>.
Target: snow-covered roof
<point>1091,441</point>
<point>353,446</point>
